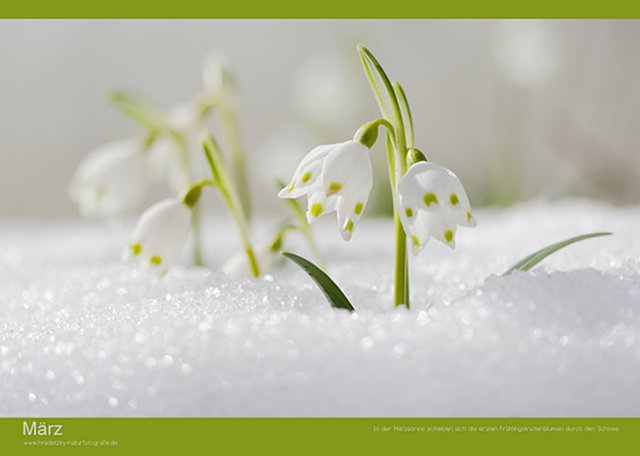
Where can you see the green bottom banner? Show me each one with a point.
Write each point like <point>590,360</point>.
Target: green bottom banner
<point>320,435</point>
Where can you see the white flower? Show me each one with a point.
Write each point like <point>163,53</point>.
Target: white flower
<point>183,164</point>
<point>111,182</point>
<point>237,266</point>
<point>160,234</point>
<point>432,202</point>
<point>335,177</point>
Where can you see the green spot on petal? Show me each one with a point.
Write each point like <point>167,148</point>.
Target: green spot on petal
<point>448,235</point>
<point>292,186</point>
<point>454,199</point>
<point>430,198</point>
<point>358,208</point>
<point>135,249</point>
<point>349,225</point>
<point>334,187</point>
<point>155,260</point>
<point>409,212</point>
<point>306,176</point>
<point>316,209</point>
<point>415,240</point>
<point>468,216</point>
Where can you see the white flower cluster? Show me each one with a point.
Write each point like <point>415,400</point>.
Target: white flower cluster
<point>338,177</point>
<point>112,181</point>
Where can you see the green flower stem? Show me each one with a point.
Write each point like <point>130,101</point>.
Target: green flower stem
<point>303,225</point>
<point>397,166</point>
<point>276,244</point>
<point>196,227</point>
<point>229,121</point>
<point>410,143</point>
<point>224,183</point>
<point>197,238</point>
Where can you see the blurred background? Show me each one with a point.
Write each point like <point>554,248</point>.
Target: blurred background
<point>518,109</point>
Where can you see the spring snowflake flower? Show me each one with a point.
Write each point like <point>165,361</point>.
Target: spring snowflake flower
<point>432,202</point>
<point>111,182</point>
<point>334,177</point>
<point>160,234</point>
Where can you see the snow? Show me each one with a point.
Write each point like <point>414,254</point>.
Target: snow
<point>82,334</point>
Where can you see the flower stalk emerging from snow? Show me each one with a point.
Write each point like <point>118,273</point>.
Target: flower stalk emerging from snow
<point>225,184</point>
<point>163,229</point>
<point>174,133</point>
<point>429,200</point>
<point>301,224</point>
<point>221,93</point>
<point>266,254</point>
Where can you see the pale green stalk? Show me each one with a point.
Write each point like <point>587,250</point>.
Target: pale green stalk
<point>229,121</point>
<point>196,228</point>
<point>304,227</point>
<point>227,188</point>
<point>397,168</point>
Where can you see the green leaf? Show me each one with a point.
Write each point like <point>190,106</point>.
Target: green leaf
<point>374,72</point>
<point>530,261</point>
<point>333,293</point>
<point>142,111</point>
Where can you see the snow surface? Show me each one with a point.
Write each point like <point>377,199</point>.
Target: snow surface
<point>82,334</point>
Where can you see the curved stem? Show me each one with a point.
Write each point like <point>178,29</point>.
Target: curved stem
<point>229,194</point>
<point>304,226</point>
<point>276,244</point>
<point>367,134</point>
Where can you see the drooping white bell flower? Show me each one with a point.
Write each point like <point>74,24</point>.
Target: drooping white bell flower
<point>160,234</point>
<point>334,177</point>
<point>432,202</point>
<point>111,182</point>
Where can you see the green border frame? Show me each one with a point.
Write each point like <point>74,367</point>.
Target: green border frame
<point>325,9</point>
<point>324,435</point>
<point>329,436</point>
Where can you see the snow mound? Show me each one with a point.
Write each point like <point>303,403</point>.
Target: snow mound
<point>82,334</point>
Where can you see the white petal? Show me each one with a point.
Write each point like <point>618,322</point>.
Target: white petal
<point>307,173</point>
<point>442,228</point>
<point>320,203</point>
<point>347,170</point>
<point>426,185</point>
<point>415,224</point>
<point>162,231</point>
<point>349,211</point>
<point>462,208</point>
<point>111,181</point>
<point>183,117</point>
